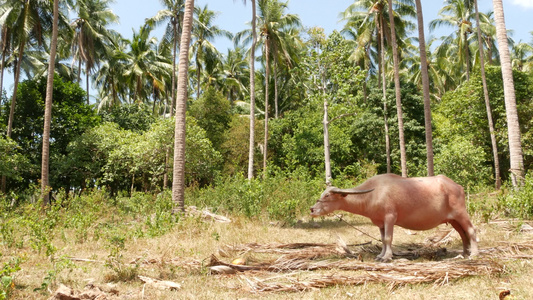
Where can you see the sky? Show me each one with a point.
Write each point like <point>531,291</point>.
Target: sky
<point>234,16</point>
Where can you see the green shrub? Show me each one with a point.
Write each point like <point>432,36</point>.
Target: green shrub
<point>279,196</point>
<point>518,203</point>
<point>7,279</point>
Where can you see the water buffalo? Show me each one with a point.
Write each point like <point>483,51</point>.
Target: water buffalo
<point>418,203</point>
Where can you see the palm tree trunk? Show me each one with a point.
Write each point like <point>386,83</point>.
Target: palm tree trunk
<point>384,89</point>
<point>178,178</point>
<point>327,161</point>
<point>15,88</point>
<point>79,71</point>
<point>403,155</point>
<point>87,83</point>
<point>252,96</point>
<point>276,90</point>
<point>425,89</point>
<point>3,180</point>
<point>513,128</point>
<point>198,74</point>
<point>267,75</point>
<point>48,109</point>
<point>174,51</point>
<point>467,59</point>
<point>497,179</point>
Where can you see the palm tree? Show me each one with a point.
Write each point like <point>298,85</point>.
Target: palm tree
<point>457,14</point>
<point>522,56</point>
<point>235,69</point>
<point>367,22</point>
<point>280,38</point>
<point>147,69</point>
<point>48,108</point>
<point>277,37</point>
<point>425,88</point>
<point>4,52</point>
<point>403,156</point>
<point>110,76</point>
<point>178,180</point>
<point>91,34</point>
<point>515,144</point>
<point>203,33</point>
<point>497,179</point>
<point>173,14</point>
<point>251,151</point>
<point>25,20</point>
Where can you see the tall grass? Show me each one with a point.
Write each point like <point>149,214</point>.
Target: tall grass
<point>276,197</point>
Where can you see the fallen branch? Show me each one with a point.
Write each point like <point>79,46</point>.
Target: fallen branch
<point>160,284</point>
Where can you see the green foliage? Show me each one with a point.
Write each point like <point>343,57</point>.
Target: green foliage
<point>278,196</point>
<point>464,163</point>
<point>518,203</point>
<point>235,149</point>
<point>71,116</point>
<point>136,117</point>
<point>461,114</point>
<point>12,161</point>
<point>7,278</point>
<point>58,266</point>
<point>125,160</point>
<point>213,113</point>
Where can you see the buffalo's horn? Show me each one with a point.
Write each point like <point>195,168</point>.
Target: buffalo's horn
<point>350,191</point>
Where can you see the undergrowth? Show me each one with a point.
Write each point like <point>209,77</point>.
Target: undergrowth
<point>94,216</point>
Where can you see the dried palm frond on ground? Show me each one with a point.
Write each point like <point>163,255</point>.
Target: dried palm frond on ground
<point>340,259</point>
<point>292,250</point>
<point>459,267</point>
<point>395,274</point>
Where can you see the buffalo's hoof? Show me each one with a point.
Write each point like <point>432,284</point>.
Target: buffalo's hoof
<point>383,259</point>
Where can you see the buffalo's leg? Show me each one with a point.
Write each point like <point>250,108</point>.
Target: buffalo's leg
<point>470,234</point>
<point>386,238</point>
<point>462,233</point>
<point>382,232</point>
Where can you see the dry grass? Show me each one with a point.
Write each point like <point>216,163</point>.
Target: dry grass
<point>312,260</point>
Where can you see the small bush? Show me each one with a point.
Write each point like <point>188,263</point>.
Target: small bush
<point>7,278</point>
<point>518,203</point>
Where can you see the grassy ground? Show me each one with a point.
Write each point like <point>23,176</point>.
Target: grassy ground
<point>181,255</point>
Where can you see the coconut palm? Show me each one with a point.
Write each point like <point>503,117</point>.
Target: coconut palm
<point>494,144</point>
<point>277,39</point>
<point>25,20</point>
<point>522,56</point>
<point>515,144</point>
<point>147,69</point>
<point>110,77</point>
<point>236,74</point>
<point>252,93</point>
<point>368,22</point>
<point>488,35</point>
<point>394,45</point>
<point>88,44</point>
<point>173,14</point>
<point>459,15</point>
<point>425,88</point>
<point>280,37</point>
<point>48,107</point>
<point>178,180</point>
<point>4,52</point>
<point>204,32</point>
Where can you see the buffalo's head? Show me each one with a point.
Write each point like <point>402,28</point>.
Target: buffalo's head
<point>332,199</point>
